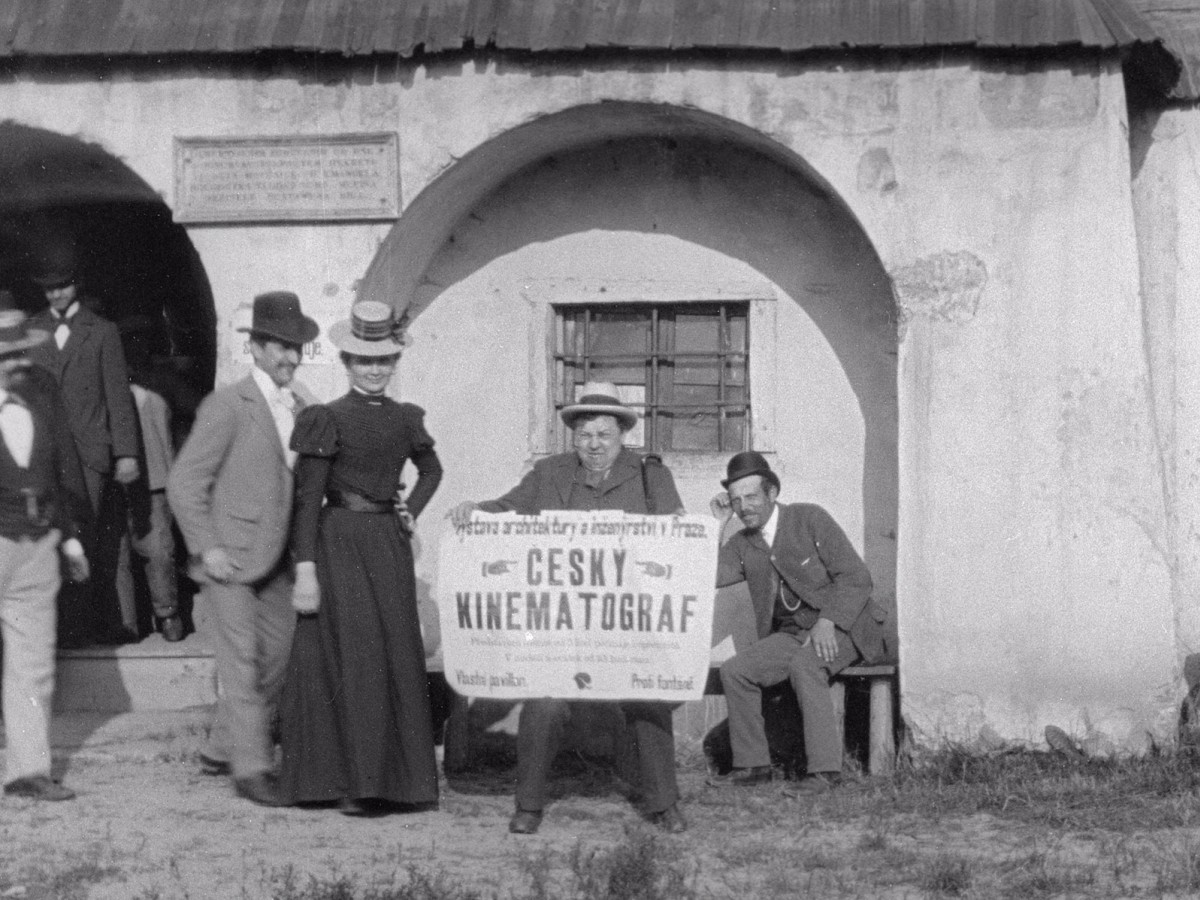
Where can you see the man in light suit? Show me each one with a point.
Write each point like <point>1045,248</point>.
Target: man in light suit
<point>85,357</point>
<point>812,603</point>
<point>231,492</point>
<point>41,504</point>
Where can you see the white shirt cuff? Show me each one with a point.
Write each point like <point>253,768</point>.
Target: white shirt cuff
<point>72,547</point>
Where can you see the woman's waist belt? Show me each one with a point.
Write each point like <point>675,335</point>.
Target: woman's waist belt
<point>358,503</point>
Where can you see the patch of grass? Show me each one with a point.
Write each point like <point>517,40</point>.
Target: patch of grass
<point>59,882</point>
<point>286,884</point>
<point>1036,875</point>
<point>642,867</point>
<point>946,875</point>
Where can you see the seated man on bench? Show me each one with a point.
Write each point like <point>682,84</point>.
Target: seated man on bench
<point>812,602</point>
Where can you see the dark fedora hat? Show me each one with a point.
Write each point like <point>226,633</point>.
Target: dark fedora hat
<point>277,315</point>
<point>54,263</point>
<point>747,463</point>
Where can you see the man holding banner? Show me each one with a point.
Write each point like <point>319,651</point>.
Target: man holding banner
<point>600,474</point>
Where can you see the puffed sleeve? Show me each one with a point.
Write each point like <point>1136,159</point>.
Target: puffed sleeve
<point>315,438</point>
<point>315,432</point>
<point>429,468</point>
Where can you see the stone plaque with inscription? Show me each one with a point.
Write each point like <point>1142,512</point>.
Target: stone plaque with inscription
<point>349,176</point>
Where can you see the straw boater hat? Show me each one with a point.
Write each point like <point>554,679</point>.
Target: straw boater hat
<point>15,335</point>
<point>600,398</point>
<point>277,315</point>
<point>371,330</point>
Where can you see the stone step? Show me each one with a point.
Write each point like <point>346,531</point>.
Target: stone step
<point>152,675</point>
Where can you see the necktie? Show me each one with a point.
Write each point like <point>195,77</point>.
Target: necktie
<point>62,331</point>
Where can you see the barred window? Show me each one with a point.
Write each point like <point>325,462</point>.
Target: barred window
<point>684,367</point>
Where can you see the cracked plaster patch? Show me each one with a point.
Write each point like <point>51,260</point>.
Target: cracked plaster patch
<point>945,286</point>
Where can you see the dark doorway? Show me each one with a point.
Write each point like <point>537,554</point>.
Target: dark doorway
<point>133,261</point>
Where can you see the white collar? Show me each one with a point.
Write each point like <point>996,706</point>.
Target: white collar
<point>269,388</point>
<point>68,314</point>
<point>772,523</point>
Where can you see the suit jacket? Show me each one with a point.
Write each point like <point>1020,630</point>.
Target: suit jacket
<point>91,374</point>
<point>815,564</point>
<point>230,485</point>
<point>548,486</point>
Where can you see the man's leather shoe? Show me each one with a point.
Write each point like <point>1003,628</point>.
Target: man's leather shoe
<point>814,784</point>
<point>212,766</point>
<point>259,789</point>
<point>38,787</point>
<point>670,820</point>
<point>747,777</point>
<point>171,628</point>
<point>525,821</point>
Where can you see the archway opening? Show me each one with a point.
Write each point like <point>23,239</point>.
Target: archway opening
<point>138,268</point>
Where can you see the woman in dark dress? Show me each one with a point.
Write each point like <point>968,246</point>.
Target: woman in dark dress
<point>355,717</point>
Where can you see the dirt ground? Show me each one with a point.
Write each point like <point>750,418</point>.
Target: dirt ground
<point>147,825</point>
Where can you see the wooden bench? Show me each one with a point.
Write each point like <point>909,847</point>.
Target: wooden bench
<point>881,747</point>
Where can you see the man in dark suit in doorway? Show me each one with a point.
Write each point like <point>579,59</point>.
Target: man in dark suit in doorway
<point>84,355</point>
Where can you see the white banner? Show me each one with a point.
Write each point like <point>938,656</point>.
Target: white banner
<point>578,605</point>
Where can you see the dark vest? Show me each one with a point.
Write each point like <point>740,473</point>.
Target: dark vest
<point>28,497</point>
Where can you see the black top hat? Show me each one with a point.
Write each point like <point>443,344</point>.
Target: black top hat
<point>54,264</point>
<point>746,463</point>
<point>277,315</point>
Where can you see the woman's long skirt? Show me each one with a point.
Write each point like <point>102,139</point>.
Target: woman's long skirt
<point>354,715</point>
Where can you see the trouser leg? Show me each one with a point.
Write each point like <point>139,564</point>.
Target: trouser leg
<point>29,580</point>
<point>810,680</point>
<point>157,548</point>
<point>743,677</point>
<point>275,625</point>
<point>539,735</point>
<point>241,725</point>
<point>654,740</point>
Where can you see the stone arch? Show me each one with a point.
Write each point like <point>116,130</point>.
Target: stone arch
<point>414,266</point>
<point>132,258</point>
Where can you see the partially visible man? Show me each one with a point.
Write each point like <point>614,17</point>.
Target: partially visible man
<point>599,474</point>
<point>85,357</point>
<point>812,603</point>
<point>231,492</point>
<point>41,496</point>
<point>148,530</point>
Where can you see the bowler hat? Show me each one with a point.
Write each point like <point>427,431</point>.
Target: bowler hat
<point>371,330</point>
<point>277,315</point>
<point>600,398</point>
<point>54,264</point>
<point>15,333</point>
<point>747,463</point>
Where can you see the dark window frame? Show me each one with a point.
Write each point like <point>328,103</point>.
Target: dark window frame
<point>573,367</point>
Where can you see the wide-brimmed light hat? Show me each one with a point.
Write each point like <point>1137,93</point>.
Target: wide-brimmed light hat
<point>600,398</point>
<point>371,330</point>
<point>277,315</point>
<point>15,333</point>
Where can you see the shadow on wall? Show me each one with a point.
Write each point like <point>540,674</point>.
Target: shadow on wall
<point>743,205</point>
